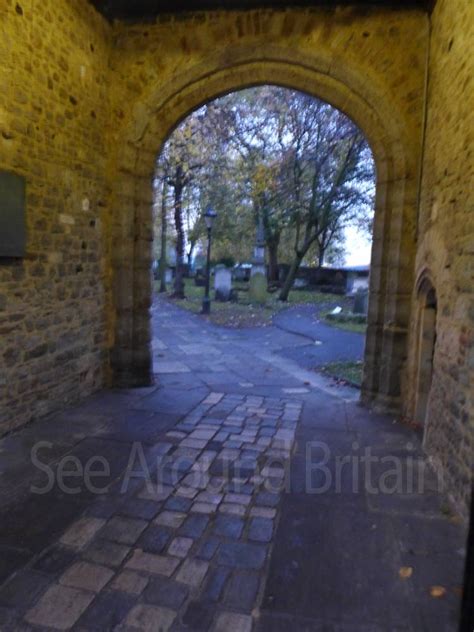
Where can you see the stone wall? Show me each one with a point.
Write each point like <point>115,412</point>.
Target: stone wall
<point>446,244</point>
<point>53,113</point>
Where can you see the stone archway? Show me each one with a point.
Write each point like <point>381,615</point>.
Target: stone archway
<point>396,158</point>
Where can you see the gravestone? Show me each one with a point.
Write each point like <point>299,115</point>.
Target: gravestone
<point>258,287</point>
<point>169,275</point>
<point>200,278</point>
<point>223,283</point>
<point>361,301</point>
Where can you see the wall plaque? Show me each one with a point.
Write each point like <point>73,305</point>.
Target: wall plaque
<point>12,215</point>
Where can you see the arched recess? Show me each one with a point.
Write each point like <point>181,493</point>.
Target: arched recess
<point>425,344</point>
<point>396,158</point>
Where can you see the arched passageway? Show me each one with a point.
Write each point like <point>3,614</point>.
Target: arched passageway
<point>103,105</point>
<point>393,244</point>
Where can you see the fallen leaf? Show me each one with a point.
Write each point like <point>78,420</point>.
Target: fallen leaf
<point>437,591</point>
<point>405,572</point>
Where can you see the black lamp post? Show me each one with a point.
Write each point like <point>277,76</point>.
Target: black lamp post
<point>209,217</point>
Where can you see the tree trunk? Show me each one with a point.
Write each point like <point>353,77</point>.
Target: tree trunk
<point>273,261</point>
<point>178,220</point>
<point>164,228</point>
<point>321,254</point>
<point>190,253</point>
<point>291,276</point>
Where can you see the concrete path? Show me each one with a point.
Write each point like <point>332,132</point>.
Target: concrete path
<point>324,344</point>
<point>241,493</point>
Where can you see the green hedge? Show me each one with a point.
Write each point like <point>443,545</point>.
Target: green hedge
<point>347,317</point>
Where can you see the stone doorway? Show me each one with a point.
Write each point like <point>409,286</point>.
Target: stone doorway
<point>426,348</point>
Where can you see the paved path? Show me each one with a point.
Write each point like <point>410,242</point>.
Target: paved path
<point>326,344</point>
<point>214,513</point>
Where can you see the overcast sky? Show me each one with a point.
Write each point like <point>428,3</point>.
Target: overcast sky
<point>358,247</point>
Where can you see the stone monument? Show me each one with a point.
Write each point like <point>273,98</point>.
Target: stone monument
<point>258,276</point>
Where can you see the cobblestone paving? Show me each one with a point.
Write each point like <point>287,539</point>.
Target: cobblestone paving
<point>193,541</point>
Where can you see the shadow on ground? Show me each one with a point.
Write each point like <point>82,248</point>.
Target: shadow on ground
<point>334,545</point>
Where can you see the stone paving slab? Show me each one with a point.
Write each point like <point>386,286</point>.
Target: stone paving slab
<point>211,526</point>
<point>170,367</point>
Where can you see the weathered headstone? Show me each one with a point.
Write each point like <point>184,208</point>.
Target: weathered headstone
<point>200,278</point>
<point>258,287</point>
<point>361,301</point>
<point>223,283</point>
<point>169,275</point>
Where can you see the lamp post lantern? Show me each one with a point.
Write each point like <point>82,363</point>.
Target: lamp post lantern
<point>209,217</point>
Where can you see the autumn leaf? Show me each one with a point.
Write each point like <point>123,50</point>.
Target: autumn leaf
<point>437,591</point>
<point>405,572</point>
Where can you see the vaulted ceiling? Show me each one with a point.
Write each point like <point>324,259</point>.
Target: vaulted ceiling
<point>138,10</point>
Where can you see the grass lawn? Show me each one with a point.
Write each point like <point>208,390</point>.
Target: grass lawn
<point>347,371</point>
<point>243,313</point>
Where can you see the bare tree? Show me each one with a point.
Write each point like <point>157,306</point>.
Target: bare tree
<point>179,163</point>
<point>329,176</point>
<point>253,119</point>
<point>267,153</point>
<point>164,236</point>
